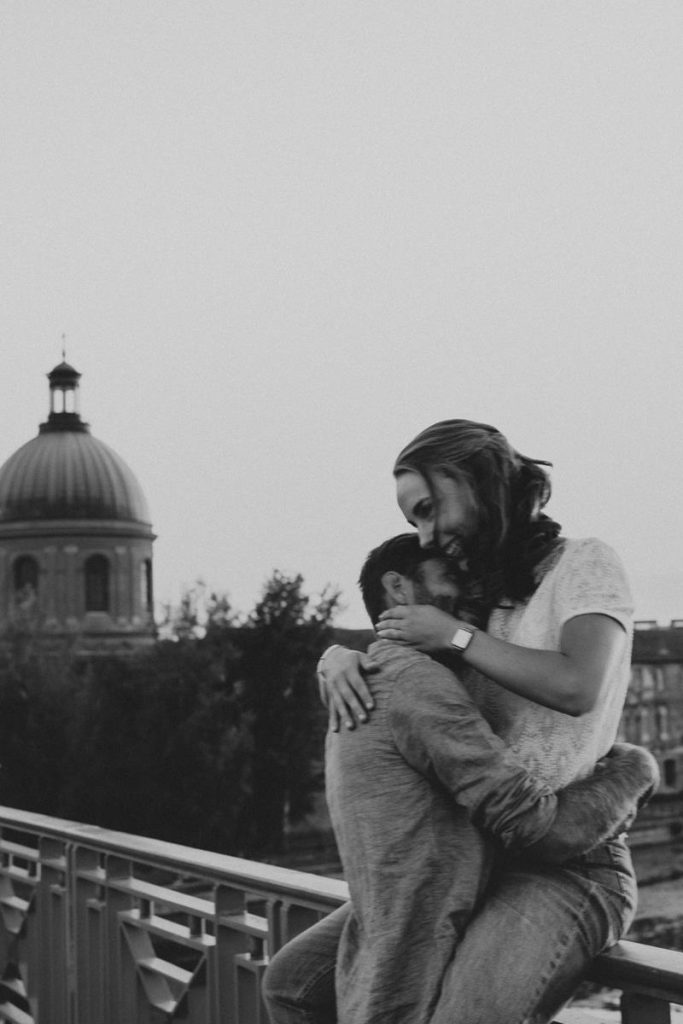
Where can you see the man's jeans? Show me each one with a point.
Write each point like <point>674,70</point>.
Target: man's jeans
<point>520,960</point>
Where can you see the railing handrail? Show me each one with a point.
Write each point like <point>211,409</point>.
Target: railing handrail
<point>636,967</point>
<point>215,866</point>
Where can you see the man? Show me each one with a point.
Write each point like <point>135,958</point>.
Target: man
<point>423,798</point>
<point>400,792</point>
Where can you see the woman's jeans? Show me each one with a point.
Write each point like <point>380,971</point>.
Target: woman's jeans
<point>521,958</point>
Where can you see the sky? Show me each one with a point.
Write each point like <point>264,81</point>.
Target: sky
<point>283,237</point>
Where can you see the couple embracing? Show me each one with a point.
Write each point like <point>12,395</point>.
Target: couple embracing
<point>474,784</point>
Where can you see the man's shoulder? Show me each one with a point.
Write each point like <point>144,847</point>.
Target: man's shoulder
<point>410,675</point>
<point>394,659</point>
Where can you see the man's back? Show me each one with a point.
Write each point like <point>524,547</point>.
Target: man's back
<point>415,864</point>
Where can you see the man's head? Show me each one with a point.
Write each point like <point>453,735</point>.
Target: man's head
<point>401,572</point>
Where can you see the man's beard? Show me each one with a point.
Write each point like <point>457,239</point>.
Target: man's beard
<point>444,602</point>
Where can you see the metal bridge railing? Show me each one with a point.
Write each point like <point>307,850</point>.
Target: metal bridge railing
<point>100,927</point>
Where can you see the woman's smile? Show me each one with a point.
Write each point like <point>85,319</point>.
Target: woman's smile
<point>442,510</point>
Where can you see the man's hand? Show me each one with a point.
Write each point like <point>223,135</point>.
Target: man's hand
<point>418,625</point>
<point>342,686</point>
<point>639,763</point>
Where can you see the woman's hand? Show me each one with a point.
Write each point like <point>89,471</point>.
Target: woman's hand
<point>420,625</point>
<point>342,686</point>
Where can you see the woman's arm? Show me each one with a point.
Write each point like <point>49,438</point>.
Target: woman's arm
<point>568,680</point>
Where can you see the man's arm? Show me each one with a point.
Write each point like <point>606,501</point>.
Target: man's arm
<point>441,732</point>
<point>593,809</point>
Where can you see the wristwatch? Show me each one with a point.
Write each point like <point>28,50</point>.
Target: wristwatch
<point>462,638</point>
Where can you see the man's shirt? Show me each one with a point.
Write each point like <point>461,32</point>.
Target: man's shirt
<point>406,792</point>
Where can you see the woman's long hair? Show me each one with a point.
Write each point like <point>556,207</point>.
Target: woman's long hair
<point>509,491</point>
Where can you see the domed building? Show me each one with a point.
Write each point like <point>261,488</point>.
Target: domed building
<point>75,535</point>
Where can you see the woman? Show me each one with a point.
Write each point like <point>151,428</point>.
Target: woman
<point>550,672</point>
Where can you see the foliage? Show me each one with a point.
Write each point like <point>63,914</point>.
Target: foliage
<point>36,693</point>
<point>212,739</point>
<point>163,748</point>
<point>280,645</point>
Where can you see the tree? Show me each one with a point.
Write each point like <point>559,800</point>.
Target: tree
<point>36,696</point>
<point>213,739</point>
<point>162,747</point>
<point>280,645</point>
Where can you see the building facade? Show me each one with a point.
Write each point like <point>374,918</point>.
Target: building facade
<point>75,536</point>
<point>653,713</point>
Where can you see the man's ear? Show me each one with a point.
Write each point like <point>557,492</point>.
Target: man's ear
<point>395,588</point>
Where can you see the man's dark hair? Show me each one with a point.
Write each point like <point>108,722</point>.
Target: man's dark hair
<point>401,554</point>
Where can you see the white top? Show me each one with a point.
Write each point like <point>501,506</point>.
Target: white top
<point>587,577</point>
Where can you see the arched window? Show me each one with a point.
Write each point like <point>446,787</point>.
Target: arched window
<point>146,589</point>
<point>662,722</point>
<point>670,773</point>
<point>630,725</point>
<point>648,682</point>
<point>25,573</point>
<point>97,584</point>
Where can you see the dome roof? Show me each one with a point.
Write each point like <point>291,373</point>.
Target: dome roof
<point>64,474</point>
<point>64,372</point>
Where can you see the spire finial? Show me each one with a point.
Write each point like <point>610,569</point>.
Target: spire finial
<point>63,347</point>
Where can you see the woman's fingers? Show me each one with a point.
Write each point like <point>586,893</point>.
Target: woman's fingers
<point>343,689</point>
<point>393,624</point>
<point>422,626</point>
<point>397,613</point>
<point>333,722</point>
<point>347,704</point>
<point>367,668</point>
<point>391,629</point>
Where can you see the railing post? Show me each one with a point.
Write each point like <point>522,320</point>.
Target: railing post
<point>249,968</point>
<point>294,919</point>
<point>125,994</point>
<point>91,954</point>
<point>231,941</point>
<point>640,1009</point>
<point>54,941</point>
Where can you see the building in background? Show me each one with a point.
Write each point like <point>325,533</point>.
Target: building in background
<point>653,718</point>
<point>75,537</point>
<point>653,713</point>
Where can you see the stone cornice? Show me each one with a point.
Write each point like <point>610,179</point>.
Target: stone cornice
<point>51,529</point>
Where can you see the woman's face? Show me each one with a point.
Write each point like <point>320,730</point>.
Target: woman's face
<point>444,514</point>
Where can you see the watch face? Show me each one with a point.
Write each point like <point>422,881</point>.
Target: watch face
<point>462,638</point>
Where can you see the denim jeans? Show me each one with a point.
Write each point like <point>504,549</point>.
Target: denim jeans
<point>520,960</point>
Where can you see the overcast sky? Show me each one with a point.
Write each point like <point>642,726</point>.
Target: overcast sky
<point>282,237</point>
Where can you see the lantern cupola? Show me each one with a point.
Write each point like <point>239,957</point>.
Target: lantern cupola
<point>64,411</point>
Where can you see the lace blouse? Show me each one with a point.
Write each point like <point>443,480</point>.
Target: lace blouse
<point>583,577</point>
